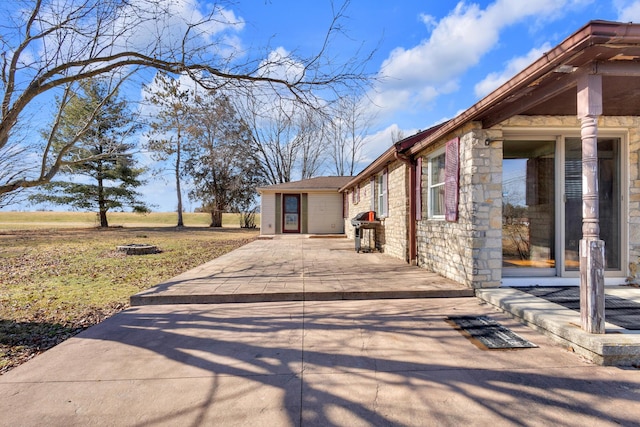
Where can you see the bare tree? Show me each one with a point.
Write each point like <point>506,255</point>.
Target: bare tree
<point>48,46</point>
<point>219,161</point>
<point>346,135</point>
<point>168,126</point>
<point>273,142</point>
<point>8,173</point>
<point>311,134</point>
<point>396,135</point>
<point>286,138</point>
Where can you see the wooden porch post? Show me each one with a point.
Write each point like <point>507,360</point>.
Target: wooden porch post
<point>591,247</point>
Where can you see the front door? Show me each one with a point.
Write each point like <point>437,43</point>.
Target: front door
<point>291,217</point>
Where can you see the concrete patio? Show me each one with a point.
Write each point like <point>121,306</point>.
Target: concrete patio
<point>345,339</point>
<point>303,268</point>
<point>297,268</point>
<point>311,363</point>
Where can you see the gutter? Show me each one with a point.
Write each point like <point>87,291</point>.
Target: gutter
<point>390,154</point>
<point>377,165</point>
<point>595,32</point>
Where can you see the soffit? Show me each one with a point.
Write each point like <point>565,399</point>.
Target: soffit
<point>609,49</point>
<point>548,86</point>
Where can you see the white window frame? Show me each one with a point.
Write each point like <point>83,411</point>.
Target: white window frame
<point>433,186</point>
<point>380,194</point>
<point>612,277</point>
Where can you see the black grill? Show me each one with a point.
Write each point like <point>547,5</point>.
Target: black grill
<point>364,221</point>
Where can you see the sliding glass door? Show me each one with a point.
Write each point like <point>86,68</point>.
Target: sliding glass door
<point>542,205</point>
<point>528,207</point>
<point>610,198</point>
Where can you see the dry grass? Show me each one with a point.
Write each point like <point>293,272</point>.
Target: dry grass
<point>56,282</point>
<point>52,220</point>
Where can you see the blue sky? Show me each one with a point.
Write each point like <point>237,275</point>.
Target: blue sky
<point>434,58</point>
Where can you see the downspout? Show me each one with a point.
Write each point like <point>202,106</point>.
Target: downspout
<point>411,163</point>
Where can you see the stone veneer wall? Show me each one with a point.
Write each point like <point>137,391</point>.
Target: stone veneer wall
<point>395,232</point>
<point>634,195</point>
<point>391,234</point>
<point>468,251</point>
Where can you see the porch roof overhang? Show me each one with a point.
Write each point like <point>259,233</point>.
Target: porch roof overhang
<point>548,86</point>
<point>319,184</point>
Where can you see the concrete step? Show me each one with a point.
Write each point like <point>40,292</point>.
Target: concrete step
<point>618,346</point>
<point>167,298</point>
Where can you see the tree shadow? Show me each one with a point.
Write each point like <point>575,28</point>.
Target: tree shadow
<point>292,349</point>
<point>20,341</point>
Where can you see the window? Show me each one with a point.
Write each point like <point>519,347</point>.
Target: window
<point>355,195</point>
<point>379,199</point>
<point>436,180</point>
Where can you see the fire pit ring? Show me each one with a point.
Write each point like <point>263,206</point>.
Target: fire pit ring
<point>138,249</point>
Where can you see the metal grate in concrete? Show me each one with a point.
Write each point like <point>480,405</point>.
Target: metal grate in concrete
<point>488,333</point>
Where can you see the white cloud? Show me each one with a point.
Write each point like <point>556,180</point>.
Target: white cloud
<point>281,65</point>
<point>375,144</point>
<point>628,11</point>
<point>414,77</point>
<point>514,66</point>
<point>169,22</point>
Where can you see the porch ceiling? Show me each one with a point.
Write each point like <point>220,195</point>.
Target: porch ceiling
<point>609,49</point>
<point>548,86</point>
<point>620,97</point>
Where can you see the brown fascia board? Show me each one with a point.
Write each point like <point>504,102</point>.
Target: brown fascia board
<point>595,32</point>
<point>389,156</point>
<point>299,190</point>
<point>373,168</point>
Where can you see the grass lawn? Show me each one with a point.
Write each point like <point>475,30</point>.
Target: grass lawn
<point>54,282</point>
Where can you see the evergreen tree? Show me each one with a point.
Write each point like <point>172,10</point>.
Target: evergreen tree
<point>107,176</point>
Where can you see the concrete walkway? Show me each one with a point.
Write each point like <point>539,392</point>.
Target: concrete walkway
<point>297,268</point>
<point>310,362</point>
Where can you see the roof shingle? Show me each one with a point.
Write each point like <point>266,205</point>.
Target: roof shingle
<point>317,183</point>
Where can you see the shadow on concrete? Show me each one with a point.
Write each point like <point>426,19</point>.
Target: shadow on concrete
<point>277,349</point>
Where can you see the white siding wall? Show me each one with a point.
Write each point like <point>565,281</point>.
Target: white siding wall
<point>268,213</point>
<point>325,213</point>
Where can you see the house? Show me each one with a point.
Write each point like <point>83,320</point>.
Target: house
<point>495,196</point>
<point>310,206</point>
